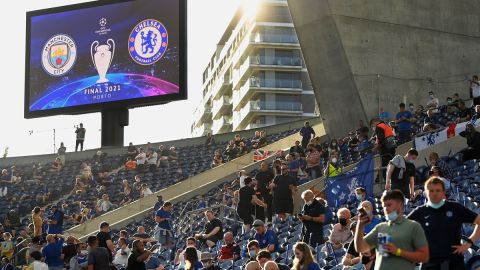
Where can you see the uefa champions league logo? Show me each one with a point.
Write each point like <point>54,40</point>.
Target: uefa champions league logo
<point>59,55</point>
<point>148,42</point>
<point>102,22</point>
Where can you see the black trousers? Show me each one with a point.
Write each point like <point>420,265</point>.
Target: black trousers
<point>404,136</point>
<point>386,155</point>
<point>476,101</point>
<point>452,265</point>
<point>313,238</point>
<point>79,142</point>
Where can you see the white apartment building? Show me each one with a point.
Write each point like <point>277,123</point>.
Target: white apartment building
<point>257,76</point>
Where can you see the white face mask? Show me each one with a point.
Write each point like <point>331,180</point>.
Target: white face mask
<point>84,252</point>
<point>334,160</point>
<point>309,202</point>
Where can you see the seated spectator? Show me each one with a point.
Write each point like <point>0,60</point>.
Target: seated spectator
<point>163,154</point>
<point>242,149</point>
<point>231,152</point>
<point>261,142</point>
<point>132,151</point>
<point>99,158</point>
<point>297,148</point>
<point>104,205</point>
<point>37,263</point>
<point>430,122</point>
<point>85,173</point>
<point>230,250</point>
<point>304,258</point>
<point>213,230</point>
<point>476,116</point>
<point>264,258</point>
<point>79,187</point>
<point>56,165</point>
<point>172,154</point>
<point>473,143</point>
<point>444,167</point>
<point>253,249</point>
<point>363,129</point>
<point>237,140</point>
<point>217,159</point>
<point>437,172</point>
<point>420,112</point>
<point>145,191</point>
<point>7,246</point>
<point>12,220</point>
<point>254,265</point>
<point>256,137</point>
<point>266,238</point>
<point>152,158</point>
<point>451,106</point>
<point>341,233</point>
<point>6,265</point>
<point>464,113</point>
<point>131,164</point>
<point>142,235</point>
<point>433,102</point>
<point>361,196</point>
<point>141,159</point>
<point>207,261</point>
<point>210,140</point>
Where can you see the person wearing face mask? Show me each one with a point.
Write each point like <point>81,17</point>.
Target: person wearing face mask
<point>253,248</point>
<point>312,216</point>
<point>442,221</point>
<point>401,173</point>
<point>361,196</point>
<point>432,101</point>
<point>408,244</point>
<point>341,233</point>
<point>333,168</point>
<point>473,142</point>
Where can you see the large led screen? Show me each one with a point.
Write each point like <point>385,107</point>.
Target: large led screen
<point>92,56</point>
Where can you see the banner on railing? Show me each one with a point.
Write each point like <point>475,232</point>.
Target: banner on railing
<point>259,155</point>
<point>436,137</point>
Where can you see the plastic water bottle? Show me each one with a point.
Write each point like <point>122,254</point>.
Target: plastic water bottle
<point>383,238</point>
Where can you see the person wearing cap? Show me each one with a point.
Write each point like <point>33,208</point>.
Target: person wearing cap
<point>55,221</point>
<point>312,217</point>
<point>230,250</point>
<point>267,239</point>
<point>207,260</point>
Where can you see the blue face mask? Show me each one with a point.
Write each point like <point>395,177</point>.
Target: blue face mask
<point>359,197</point>
<point>436,205</point>
<point>252,253</point>
<point>392,216</point>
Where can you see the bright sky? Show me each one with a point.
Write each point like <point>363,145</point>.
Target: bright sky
<point>207,19</point>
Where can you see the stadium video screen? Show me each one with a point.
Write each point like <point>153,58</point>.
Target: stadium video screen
<point>92,56</point>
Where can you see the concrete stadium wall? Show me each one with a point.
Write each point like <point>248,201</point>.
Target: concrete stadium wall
<point>414,47</point>
<point>7,162</point>
<point>187,189</point>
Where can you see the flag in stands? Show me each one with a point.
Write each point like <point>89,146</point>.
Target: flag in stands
<point>339,188</point>
<point>259,155</point>
<point>430,139</point>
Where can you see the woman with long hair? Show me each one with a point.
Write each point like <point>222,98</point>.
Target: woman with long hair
<point>191,259</point>
<point>304,258</point>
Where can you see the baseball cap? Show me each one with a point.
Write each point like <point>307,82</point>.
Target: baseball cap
<point>258,223</point>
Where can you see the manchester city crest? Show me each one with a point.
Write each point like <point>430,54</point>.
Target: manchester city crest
<point>59,55</point>
<point>148,42</point>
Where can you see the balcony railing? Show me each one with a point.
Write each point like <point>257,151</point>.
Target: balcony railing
<point>275,83</point>
<point>274,106</point>
<point>276,60</point>
<point>223,121</point>
<point>274,38</point>
<point>219,103</point>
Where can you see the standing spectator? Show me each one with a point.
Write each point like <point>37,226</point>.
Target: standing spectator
<point>283,187</point>
<point>105,240</point>
<point>314,169</point>
<point>246,202</point>
<point>207,261</point>
<point>98,256</point>
<point>6,264</point>
<point>264,177</point>
<point>408,243</point>
<point>52,252</point>
<point>475,90</point>
<point>333,167</point>
<point>473,142</point>
<point>61,153</point>
<point>231,151</point>
<point>476,116</point>
<point>37,264</point>
<point>80,131</point>
<point>7,246</point>
<point>5,181</point>
<point>293,166</point>
<point>123,252</point>
<point>464,113</point>
<point>435,160</point>
<point>159,203</point>
<point>297,148</point>
<point>55,221</point>
<point>266,238</point>
<point>210,140</point>
<point>433,102</point>
<point>363,129</point>
<point>442,222</point>
<point>384,142</point>
<point>163,230</point>
<point>230,250</point>
<point>253,265</point>
<point>213,230</point>
<point>70,249</point>
<point>401,174</point>
<point>312,217</point>
<point>262,141</point>
<point>141,159</point>
<point>404,121</point>
<point>306,132</point>
<point>341,233</point>
<point>303,258</point>
<point>132,151</point>
<point>138,256</point>
<point>172,154</point>
<point>37,220</point>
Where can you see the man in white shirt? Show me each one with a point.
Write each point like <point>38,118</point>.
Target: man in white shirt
<point>152,158</point>
<point>121,257</point>
<point>104,205</point>
<point>141,159</point>
<point>432,102</point>
<point>475,90</point>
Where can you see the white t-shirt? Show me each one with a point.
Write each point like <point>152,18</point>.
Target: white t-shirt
<point>121,259</point>
<point>141,158</point>
<point>38,265</point>
<point>153,159</point>
<point>475,90</point>
<point>147,192</point>
<point>242,181</point>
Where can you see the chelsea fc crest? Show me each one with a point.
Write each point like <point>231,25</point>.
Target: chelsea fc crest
<point>148,42</point>
<point>59,55</point>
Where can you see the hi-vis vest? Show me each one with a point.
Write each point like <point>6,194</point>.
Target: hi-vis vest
<point>333,171</point>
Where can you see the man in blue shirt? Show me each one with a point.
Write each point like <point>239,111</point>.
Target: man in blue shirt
<point>55,221</point>
<point>52,252</point>
<point>306,132</point>
<point>404,121</point>
<point>266,238</point>
<point>159,203</point>
<point>163,231</point>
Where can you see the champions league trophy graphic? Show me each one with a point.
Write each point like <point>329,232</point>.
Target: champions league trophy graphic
<point>102,56</point>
